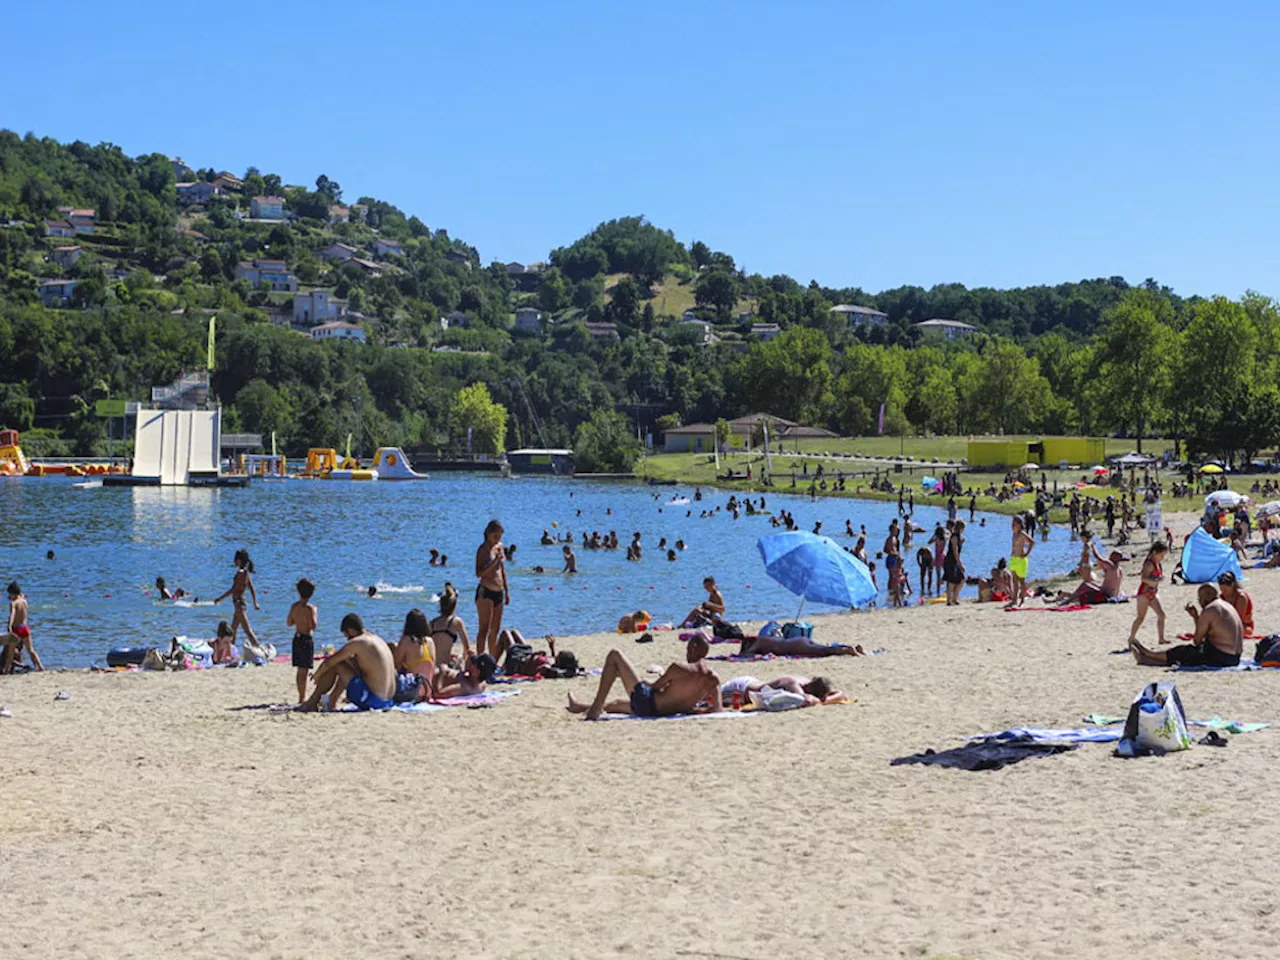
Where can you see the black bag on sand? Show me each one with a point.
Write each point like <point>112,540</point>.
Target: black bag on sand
<point>519,660</point>
<point>727,631</point>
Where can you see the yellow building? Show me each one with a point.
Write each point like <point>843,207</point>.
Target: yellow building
<point>1047,451</point>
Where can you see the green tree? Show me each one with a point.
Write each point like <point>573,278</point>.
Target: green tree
<point>264,409</point>
<point>624,304</point>
<point>553,292</point>
<point>717,289</point>
<point>1134,356</point>
<point>475,409</point>
<point>604,444</point>
<point>1218,367</point>
<point>724,432</point>
<point>329,188</point>
<point>789,377</point>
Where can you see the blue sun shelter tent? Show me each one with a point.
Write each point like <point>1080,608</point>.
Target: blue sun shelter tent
<point>1204,558</point>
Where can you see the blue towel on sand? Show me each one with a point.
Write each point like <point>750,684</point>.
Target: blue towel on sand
<point>1046,735</point>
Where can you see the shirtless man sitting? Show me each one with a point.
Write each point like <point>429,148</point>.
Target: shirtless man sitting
<point>363,669</point>
<point>711,609</point>
<point>680,689</point>
<point>815,690</point>
<point>795,647</point>
<point>1217,642</point>
<point>1093,591</point>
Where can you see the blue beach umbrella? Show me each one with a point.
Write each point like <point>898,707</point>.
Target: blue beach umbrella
<point>815,568</point>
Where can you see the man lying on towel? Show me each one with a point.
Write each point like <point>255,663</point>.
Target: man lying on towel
<point>795,647</point>
<point>364,669</point>
<point>1217,642</point>
<point>679,690</point>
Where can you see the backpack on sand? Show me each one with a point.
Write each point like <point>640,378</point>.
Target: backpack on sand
<point>1157,723</point>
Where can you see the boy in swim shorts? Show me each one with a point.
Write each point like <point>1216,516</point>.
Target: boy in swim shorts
<point>1019,552</point>
<point>18,634</point>
<point>303,617</point>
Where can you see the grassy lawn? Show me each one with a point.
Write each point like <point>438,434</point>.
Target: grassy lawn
<point>698,468</point>
<point>672,297</point>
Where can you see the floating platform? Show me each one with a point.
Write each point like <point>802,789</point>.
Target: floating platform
<point>116,480</point>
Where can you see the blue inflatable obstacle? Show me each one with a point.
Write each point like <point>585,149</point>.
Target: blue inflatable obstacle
<point>1204,558</point>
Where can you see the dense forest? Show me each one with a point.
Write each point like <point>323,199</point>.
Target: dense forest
<point>613,356</point>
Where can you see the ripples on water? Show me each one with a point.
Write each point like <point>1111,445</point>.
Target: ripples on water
<point>111,544</point>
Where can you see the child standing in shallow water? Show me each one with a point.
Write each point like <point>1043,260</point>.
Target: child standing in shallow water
<point>18,635</point>
<point>303,617</point>
<point>243,581</point>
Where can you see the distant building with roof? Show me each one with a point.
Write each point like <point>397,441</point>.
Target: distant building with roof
<point>951,329</point>
<point>338,330</point>
<point>859,316</point>
<point>266,208</point>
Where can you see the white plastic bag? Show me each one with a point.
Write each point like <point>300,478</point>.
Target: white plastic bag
<point>1157,723</point>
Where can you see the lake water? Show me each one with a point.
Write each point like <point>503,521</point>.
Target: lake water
<point>112,543</point>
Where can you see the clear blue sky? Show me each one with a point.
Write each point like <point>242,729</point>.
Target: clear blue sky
<point>869,144</point>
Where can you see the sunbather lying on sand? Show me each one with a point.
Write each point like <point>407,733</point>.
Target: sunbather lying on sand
<point>679,690</point>
<point>815,690</point>
<point>467,682</point>
<point>795,647</point>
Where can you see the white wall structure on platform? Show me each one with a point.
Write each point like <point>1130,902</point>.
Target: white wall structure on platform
<point>176,444</point>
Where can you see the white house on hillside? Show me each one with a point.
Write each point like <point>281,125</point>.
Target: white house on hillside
<point>338,330</point>
<point>317,306</point>
<point>339,214</point>
<point>197,191</point>
<point>267,275</point>
<point>338,252</point>
<point>857,316</point>
<point>388,248</point>
<point>951,329</point>
<point>529,320</point>
<point>266,208</point>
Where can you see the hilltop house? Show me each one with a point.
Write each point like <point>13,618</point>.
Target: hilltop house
<point>388,248</point>
<point>197,191</point>
<point>58,228</point>
<point>339,214</point>
<point>951,329</point>
<point>228,181</point>
<point>857,316</point>
<point>57,293</point>
<point>529,320</point>
<point>338,252</point>
<point>267,275</point>
<point>266,208</point>
<point>338,330</point>
<point>705,328</point>
<point>81,221</point>
<point>317,306</point>
<point>65,256</point>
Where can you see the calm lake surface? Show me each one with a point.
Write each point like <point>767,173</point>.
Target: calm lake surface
<point>111,544</point>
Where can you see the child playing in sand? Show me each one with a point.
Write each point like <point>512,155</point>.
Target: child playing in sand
<point>17,637</point>
<point>243,581</point>
<point>303,617</point>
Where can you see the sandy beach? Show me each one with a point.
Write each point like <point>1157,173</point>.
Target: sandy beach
<point>155,815</point>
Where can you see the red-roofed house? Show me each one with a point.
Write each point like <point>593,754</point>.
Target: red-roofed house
<point>228,181</point>
<point>339,214</point>
<point>58,228</point>
<point>82,220</point>
<point>65,256</point>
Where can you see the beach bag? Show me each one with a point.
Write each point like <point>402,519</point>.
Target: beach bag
<point>800,628</point>
<point>258,653</point>
<point>771,629</point>
<point>1267,652</point>
<point>1156,723</point>
<point>727,631</point>
<point>519,660</point>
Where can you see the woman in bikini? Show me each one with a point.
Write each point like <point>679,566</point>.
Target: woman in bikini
<point>448,627</point>
<point>491,592</point>
<point>415,657</point>
<point>939,543</point>
<point>953,565</point>
<point>1149,592</point>
<point>242,582</point>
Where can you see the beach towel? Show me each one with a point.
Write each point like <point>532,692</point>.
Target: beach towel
<point>1054,735</point>
<point>752,657</point>
<point>1203,558</point>
<point>1245,664</point>
<point>986,754</point>
<point>1067,608</point>
<point>720,715</point>
<point>488,698</point>
<point>1213,723</point>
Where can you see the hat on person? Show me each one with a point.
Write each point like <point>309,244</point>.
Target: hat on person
<point>486,666</point>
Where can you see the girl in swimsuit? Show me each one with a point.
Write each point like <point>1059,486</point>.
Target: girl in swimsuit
<point>491,592</point>
<point>242,582</point>
<point>1149,593</point>
<point>953,566</point>
<point>939,541</point>
<point>448,627</point>
<point>415,653</point>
